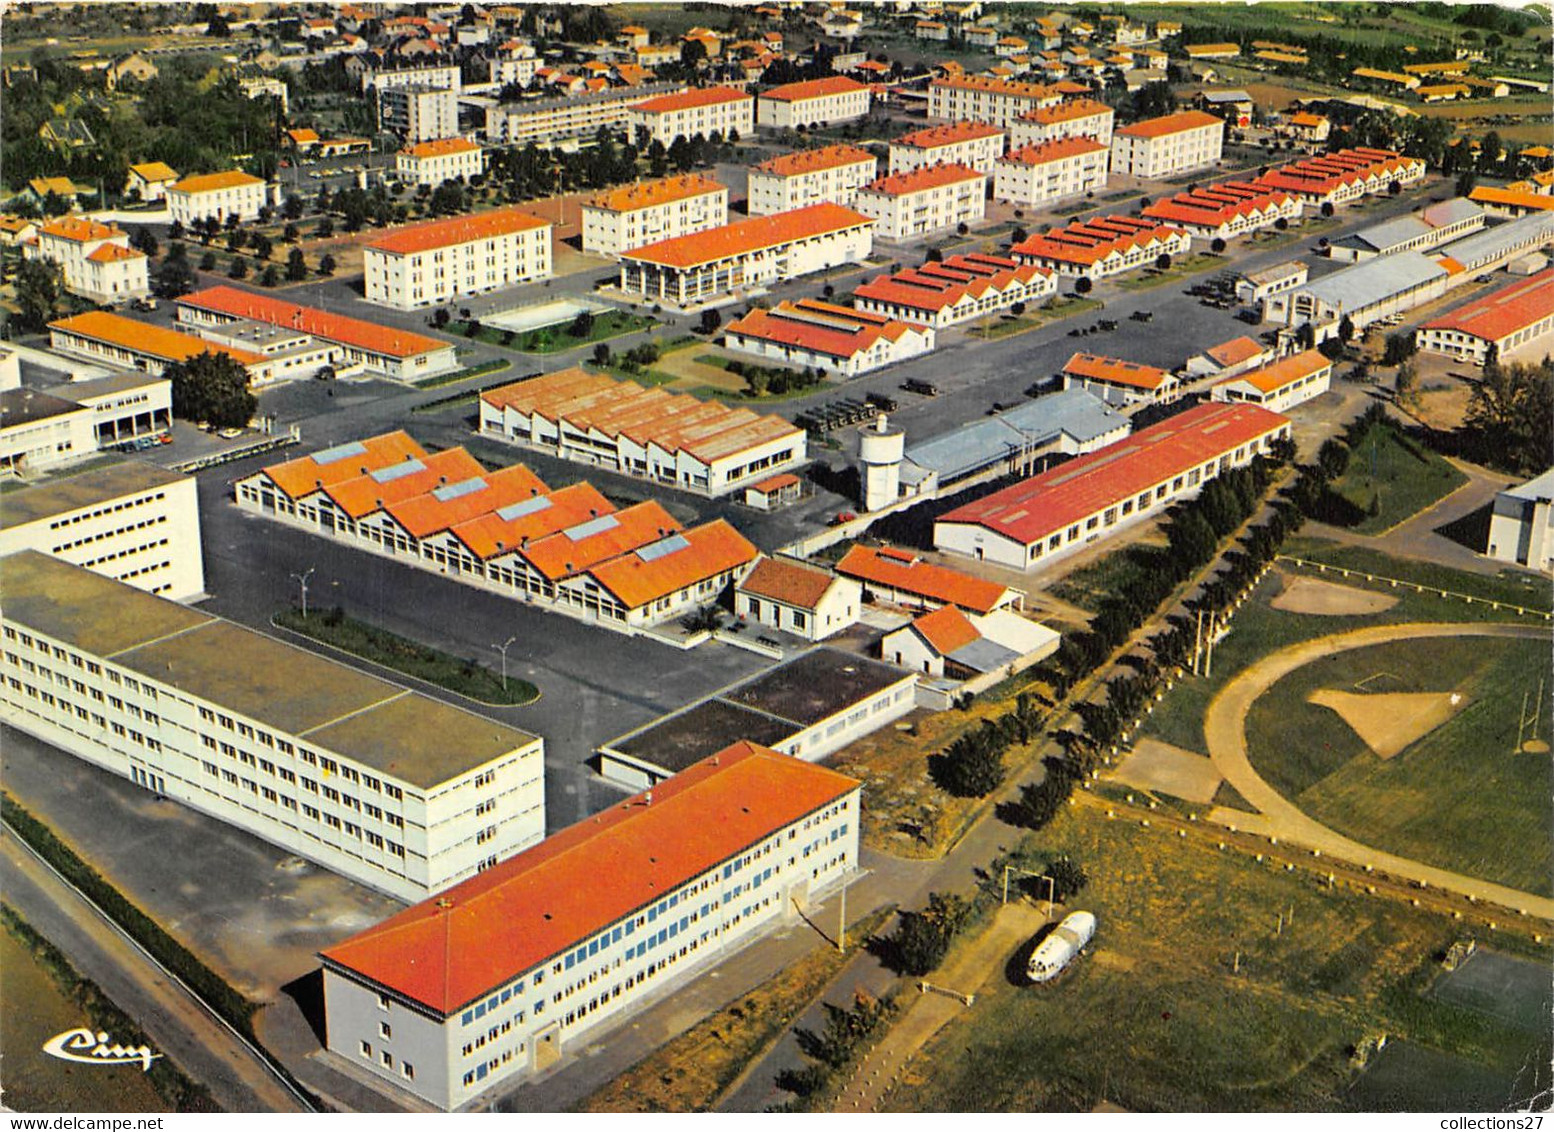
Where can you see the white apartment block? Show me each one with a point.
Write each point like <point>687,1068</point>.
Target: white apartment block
<point>445,76</point>
<point>547,120</point>
<point>705,111</point>
<point>433,162</point>
<point>95,259</point>
<point>512,69</point>
<point>997,102</point>
<point>265,86</point>
<point>216,195</point>
<point>419,113</point>
<point>975,145</point>
<point>132,522</point>
<point>39,431</point>
<point>443,260</point>
<point>498,980</point>
<point>618,220</point>
<point>817,102</point>
<point>1171,144</point>
<point>1050,171</point>
<point>908,205</point>
<point>1074,117</point>
<point>385,786</point>
<point>833,173</point>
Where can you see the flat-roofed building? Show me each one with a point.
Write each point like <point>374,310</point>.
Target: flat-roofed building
<point>1120,382</point>
<point>1227,209</point>
<point>419,113</point>
<point>1281,385</point>
<point>833,339</point>
<point>216,196</point>
<point>1072,118</point>
<point>975,145</point>
<point>130,521</point>
<point>688,271</point>
<point>796,598</point>
<point>550,953</point>
<point>955,289</point>
<point>444,159</point>
<point>1519,529</point>
<point>40,431</point>
<point>548,120</point>
<point>617,220</point>
<point>387,787</point>
<point>704,110</point>
<point>1091,497</point>
<point>998,102</point>
<point>441,260</point>
<point>95,259</point>
<point>927,200</point>
<point>807,707</point>
<point>1255,286</point>
<point>1100,248</point>
<point>904,578</point>
<point>440,76</point>
<point>1050,171</point>
<point>833,174</point>
<point>1498,246</point>
<point>670,438</point>
<point>1516,320</point>
<point>1173,143</point>
<point>814,102</point>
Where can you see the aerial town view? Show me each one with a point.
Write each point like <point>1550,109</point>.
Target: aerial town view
<point>796,556</point>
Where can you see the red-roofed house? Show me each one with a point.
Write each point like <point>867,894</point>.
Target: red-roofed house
<point>551,947</point>
<point>1120,382</point>
<point>216,195</point>
<point>798,599</point>
<point>1515,320</point>
<point>904,578</point>
<point>927,200</point>
<point>833,173</point>
<point>1230,358</point>
<point>1095,495</point>
<point>975,648</point>
<point>1227,209</point>
<point>435,262</point>
<point>1174,143</point>
<point>1050,171</point>
<point>834,339</point>
<point>1282,385</point>
<point>95,259</point>
<point>816,102</point>
<point>976,98</point>
<point>956,289</point>
<point>704,111</point>
<point>975,145</point>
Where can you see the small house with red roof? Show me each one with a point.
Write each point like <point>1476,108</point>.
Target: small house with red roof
<point>796,598</point>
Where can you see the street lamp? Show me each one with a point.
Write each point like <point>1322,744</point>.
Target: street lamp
<point>502,648</point>
<point>302,581</point>
<point>1051,887</point>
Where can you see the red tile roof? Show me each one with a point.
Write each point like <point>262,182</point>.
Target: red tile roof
<point>997,86</point>
<point>1286,371</point>
<point>838,332</point>
<point>787,582</point>
<point>1236,351</point>
<point>697,555</point>
<point>1488,194</point>
<point>457,230</point>
<point>306,474</point>
<point>934,286</point>
<point>690,100</point>
<point>143,338</point>
<point>906,573</point>
<point>365,493</point>
<point>447,505</point>
<point>441,147</point>
<point>1115,371</point>
<point>1032,510</point>
<point>113,253</point>
<point>573,550</point>
<point>647,194</point>
<point>1501,313</point>
<point>79,229</point>
<point>745,236</point>
<point>935,136</point>
<point>813,88</point>
<point>449,951</point>
<point>924,179</point>
<point>1068,111</point>
<point>775,484</point>
<point>1170,124</point>
<point>1058,149</point>
<point>490,534</point>
<point>812,160</point>
<point>352,332</point>
<point>1090,241</point>
<point>211,182</point>
<point>946,629</point>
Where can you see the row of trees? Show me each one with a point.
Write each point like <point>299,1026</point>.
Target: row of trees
<point>972,766</point>
<point>837,1043</point>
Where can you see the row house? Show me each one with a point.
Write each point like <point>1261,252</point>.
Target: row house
<point>1100,248</point>
<point>1226,210</point>
<point>844,341</point>
<point>956,289</point>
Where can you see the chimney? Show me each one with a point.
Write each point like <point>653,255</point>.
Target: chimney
<point>647,800</point>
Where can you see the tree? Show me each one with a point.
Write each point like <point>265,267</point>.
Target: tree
<point>270,277</point>
<point>1399,348</point>
<point>1217,245</point>
<point>710,321</point>
<point>1406,385</point>
<point>325,229</point>
<point>239,268</point>
<point>296,266</point>
<point>290,234</point>
<point>1162,262</point>
<point>211,387</point>
<point>1510,416</point>
<point>326,264</point>
<point>1083,285</point>
<point>1346,329</point>
<point>923,938</point>
<point>1067,876</point>
<point>174,276</point>
<point>602,354</point>
<point>263,245</point>
<point>583,325</point>
<point>208,261</point>
<point>1333,458</point>
<point>40,285</point>
<point>143,239</point>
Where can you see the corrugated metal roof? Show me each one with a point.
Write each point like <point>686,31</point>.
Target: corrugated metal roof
<point>1368,283</point>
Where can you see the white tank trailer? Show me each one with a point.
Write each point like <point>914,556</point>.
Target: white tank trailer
<point>1066,941</point>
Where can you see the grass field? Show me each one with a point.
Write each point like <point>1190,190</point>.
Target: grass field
<point>1060,307</point>
<point>1180,268</point>
<point>1190,998</point>
<point>1395,474</point>
<point>1515,587</point>
<point>1458,797</point>
<point>558,338</point>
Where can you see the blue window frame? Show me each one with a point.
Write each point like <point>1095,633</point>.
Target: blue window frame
<point>469,1016</point>
<point>567,963</point>
<point>480,1011</point>
<point>631,927</point>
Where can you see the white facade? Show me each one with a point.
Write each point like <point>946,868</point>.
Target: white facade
<point>908,205</point>
<point>953,290</point>
<point>1519,529</point>
<point>131,522</point>
<point>95,259</point>
<point>1517,320</point>
<point>1160,147</point>
<point>704,111</point>
<point>818,102</point>
<point>631,217</point>
<point>216,195</point>
<point>642,934</point>
<point>998,102</point>
<point>972,144</point>
<point>801,600</point>
<point>444,76</point>
<point>264,86</point>
<point>1281,386</point>
<point>229,722</point>
<point>39,431</point>
<point>1076,118</point>
<point>1050,171</point>
<point>419,113</point>
<point>548,120</point>
<point>812,176</point>
<point>1099,249</point>
<point>445,260</point>
<point>433,162</point>
<point>816,335</point>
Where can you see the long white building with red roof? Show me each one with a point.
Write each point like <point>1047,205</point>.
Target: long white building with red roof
<point>619,219</point>
<point>569,550</point>
<point>1049,171</point>
<point>442,260</point>
<point>685,114</point>
<point>1091,497</point>
<point>1227,209</point>
<point>1344,175</point>
<point>669,438</point>
<point>818,335</point>
<point>956,289</point>
<point>975,145</point>
<point>833,173</point>
<point>977,98</point>
<point>814,102</point>
<point>498,978</point>
<point>1515,321</point>
<point>924,201</point>
<point>1173,143</point>
<point>1099,248</point>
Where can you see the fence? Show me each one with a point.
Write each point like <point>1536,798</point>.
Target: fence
<point>1417,587</point>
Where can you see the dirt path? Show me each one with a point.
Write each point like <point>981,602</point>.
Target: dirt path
<point>1224,727</point>
<point>925,1013</point>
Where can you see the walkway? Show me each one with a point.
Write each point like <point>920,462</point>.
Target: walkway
<point>1224,728</point>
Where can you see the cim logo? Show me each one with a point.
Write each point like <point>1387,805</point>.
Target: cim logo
<point>88,1048</point>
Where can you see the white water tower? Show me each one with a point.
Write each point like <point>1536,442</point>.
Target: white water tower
<point>881,450</point>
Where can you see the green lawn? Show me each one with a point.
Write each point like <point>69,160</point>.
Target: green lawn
<point>1005,326</point>
<point>1190,1000</point>
<point>1090,585</point>
<point>496,365</point>
<point>1512,587</point>
<point>1458,797</point>
<point>1390,478</point>
<point>1180,267</point>
<point>390,650</point>
<point>558,338</point>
